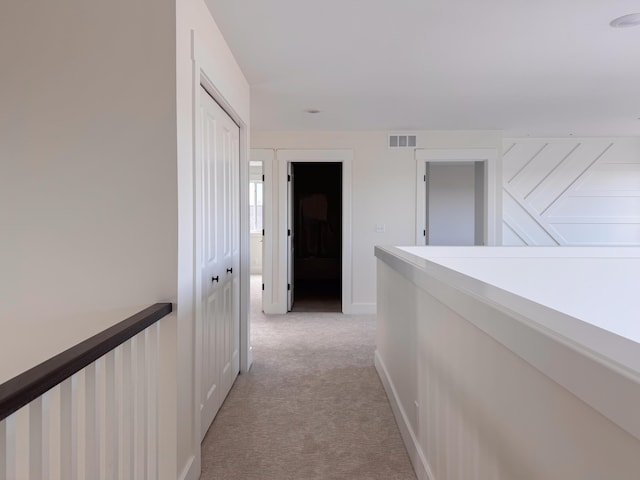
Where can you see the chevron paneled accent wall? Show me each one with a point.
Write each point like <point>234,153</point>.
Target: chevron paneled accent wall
<point>571,191</point>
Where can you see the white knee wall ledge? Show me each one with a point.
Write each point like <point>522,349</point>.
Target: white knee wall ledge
<point>505,362</point>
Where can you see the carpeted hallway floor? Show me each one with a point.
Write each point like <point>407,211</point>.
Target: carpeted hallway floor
<point>312,406</point>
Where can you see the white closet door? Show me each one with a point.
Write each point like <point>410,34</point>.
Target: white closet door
<point>217,211</point>
<point>228,146</point>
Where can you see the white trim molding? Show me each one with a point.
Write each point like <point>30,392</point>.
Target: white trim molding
<point>416,455</point>
<point>267,157</point>
<point>363,309</point>
<point>204,70</point>
<point>492,187</point>
<point>285,156</point>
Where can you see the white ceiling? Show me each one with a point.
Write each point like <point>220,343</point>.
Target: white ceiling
<point>529,67</point>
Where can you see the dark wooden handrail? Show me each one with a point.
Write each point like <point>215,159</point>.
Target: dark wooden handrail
<point>26,387</point>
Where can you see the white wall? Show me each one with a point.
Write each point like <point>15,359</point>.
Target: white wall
<point>96,176</point>
<point>88,193</point>
<point>383,189</point>
<point>571,191</point>
<point>209,54</point>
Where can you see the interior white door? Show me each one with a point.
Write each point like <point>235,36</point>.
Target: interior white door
<point>290,243</point>
<point>217,256</point>
<point>228,145</point>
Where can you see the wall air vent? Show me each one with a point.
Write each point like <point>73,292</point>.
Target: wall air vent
<point>402,140</point>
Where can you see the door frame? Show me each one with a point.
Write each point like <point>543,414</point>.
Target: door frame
<point>492,186</point>
<point>285,156</point>
<point>479,198</point>
<point>266,156</point>
<point>202,79</point>
<point>203,70</point>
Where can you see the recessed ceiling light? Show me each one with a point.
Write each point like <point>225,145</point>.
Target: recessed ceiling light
<point>312,111</point>
<point>631,20</point>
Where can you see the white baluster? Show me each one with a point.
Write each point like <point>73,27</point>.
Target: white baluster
<point>91,439</point>
<point>152,401</point>
<point>68,431</point>
<point>3,450</point>
<point>126,431</point>
<point>112,417</point>
<point>80,416</point>
<point>46,436</point>
<point>22,443</point>
<point>35,438</point>
<point>101,417</point>
<point>10,447</point>
<point>53,452</point>
<point>437,444</point>
<point>140,396</point>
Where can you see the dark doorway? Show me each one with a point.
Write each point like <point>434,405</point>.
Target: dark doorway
<point>317,237</point>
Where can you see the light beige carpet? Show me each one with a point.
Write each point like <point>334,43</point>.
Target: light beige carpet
<point>312,406</point>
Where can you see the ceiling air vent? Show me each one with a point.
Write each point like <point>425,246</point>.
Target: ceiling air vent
<point>402,141</point>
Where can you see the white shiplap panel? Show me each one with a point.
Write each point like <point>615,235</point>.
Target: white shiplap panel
<point>517,155</point>
<point>599,234</point>
<point>566,172</point>
<point>541,166</point>
<point>606,208</point>
<point>609,178</point>
<point>510,237</point>
<point>525,224</point>
<point>624,150</point>
<point>573,191</point>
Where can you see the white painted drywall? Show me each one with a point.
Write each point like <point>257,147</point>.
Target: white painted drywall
<point>88,191</point>
<point>383,189</point>
<point>96,178</point>
<point>451,203</point>
<point>213,57</point>
<point>88,208</point>
<point>571,191</point>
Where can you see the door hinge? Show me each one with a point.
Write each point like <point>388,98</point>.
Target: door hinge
<point>288,232</point>
<point>263,178</point>
<point>288,286</point>
<point>288,178</point>
<point>263,286</point>
<point>425,178</point>
<point>263,232</point>
<point>424,233</point>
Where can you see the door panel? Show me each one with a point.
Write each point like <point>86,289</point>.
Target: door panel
<point>218,237</point>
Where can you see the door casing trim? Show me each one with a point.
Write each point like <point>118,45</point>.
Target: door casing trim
<point>492,187</point>
<point>284,156</point>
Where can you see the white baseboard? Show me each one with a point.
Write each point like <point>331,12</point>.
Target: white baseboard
<point>191,470</point>
<point>274,309</point>
<point>418,460</point>
<point>349,309</point>
<point>361,309</point>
